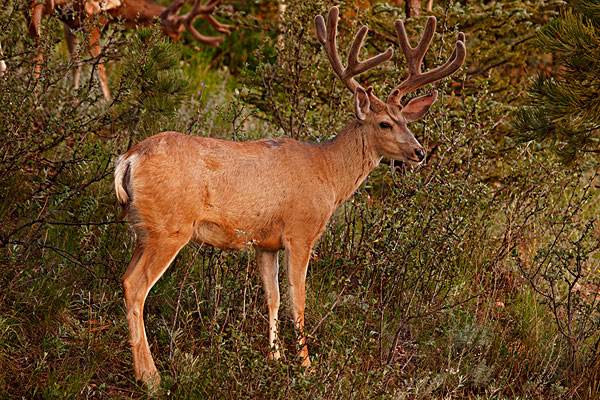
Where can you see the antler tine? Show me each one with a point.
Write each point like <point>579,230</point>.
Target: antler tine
<point>205,11</point>
<point>327,35</point>
<point>460,38</point>
<point>356,67</point>
<point>171,10</point>
<point>414,58</point>
<point>414,55</point>
<point>207,8</point>
<point>223,28</point>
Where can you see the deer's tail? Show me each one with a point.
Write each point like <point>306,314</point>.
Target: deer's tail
<point>123,172</point>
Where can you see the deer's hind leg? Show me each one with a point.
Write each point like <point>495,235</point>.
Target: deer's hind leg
<point>151,258</point>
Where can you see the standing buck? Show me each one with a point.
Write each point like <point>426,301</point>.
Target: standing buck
<point>272,194</point>
<point>95,14</point>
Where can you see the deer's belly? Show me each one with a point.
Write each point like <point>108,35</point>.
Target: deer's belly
<point>224,236</point>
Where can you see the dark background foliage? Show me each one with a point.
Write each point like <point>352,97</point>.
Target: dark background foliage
<point>472,276</point>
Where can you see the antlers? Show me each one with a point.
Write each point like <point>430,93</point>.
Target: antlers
<point>170,19</point>
<point>414,57</point>
<point>327,37</point>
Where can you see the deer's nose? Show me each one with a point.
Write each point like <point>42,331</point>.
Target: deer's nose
<point>420,153</point>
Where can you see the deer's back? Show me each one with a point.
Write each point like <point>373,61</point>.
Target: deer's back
<point>233,193</point>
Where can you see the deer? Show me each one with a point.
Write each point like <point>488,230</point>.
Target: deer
<point>271,194</point>
<point>94,15</point>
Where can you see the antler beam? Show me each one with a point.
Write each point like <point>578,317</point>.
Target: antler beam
<point>327,36</point>
<point>198,10</point>
<point>414,58</point>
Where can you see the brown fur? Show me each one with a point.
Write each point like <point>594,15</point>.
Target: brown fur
<point>230,194</point>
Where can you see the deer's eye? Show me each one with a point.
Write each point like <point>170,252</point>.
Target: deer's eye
<point>385,125</point>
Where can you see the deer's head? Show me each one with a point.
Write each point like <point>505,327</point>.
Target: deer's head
<point>387,121</point>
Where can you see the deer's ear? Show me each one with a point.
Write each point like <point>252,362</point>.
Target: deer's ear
<point>417,107</point>
<point>362,104</point>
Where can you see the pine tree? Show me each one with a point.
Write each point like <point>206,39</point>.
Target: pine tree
<point>564,108</point>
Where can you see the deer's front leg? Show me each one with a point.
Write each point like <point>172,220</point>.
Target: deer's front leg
<point>298,255</point>
<point>268,265</point>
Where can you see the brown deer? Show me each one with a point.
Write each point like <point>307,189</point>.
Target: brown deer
<point>95,14</point>
<point>272,194</point>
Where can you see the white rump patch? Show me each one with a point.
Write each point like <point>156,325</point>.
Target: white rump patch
<point>120,169</point>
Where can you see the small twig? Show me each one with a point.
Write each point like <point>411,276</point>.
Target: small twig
<point>171,341</point>
<point>199,114</point>
<point>335,303</point>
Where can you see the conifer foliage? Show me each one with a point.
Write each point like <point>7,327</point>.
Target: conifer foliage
<point>564,107</point>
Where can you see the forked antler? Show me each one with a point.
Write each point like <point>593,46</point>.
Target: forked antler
<point>170,17</point>
<point>414,58</point>
<point>327,36</point>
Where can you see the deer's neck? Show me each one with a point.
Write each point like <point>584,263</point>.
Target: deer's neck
<point>350,157</point>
